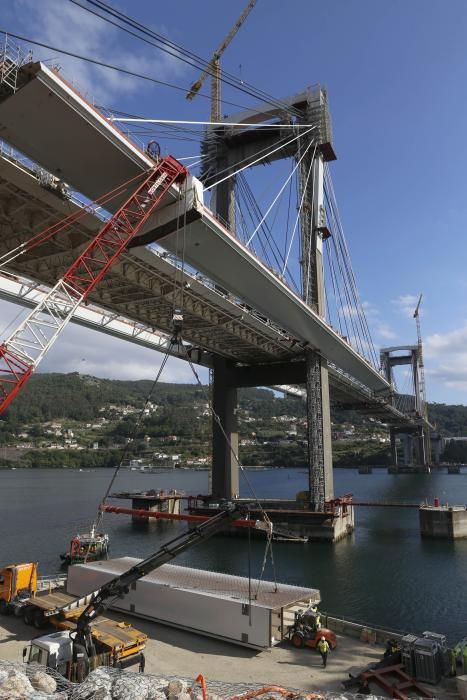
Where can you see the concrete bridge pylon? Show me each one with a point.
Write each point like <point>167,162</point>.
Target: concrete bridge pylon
<point>226,146</point>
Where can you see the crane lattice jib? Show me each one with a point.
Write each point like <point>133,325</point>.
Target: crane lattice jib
<point>27,345</point>
<point>213,66</point>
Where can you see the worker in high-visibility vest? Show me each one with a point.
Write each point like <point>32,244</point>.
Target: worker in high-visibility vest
<point>464,658</point>
<point>323,648</point>
<point>315,611</point>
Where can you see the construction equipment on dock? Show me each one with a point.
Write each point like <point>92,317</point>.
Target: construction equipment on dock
<point>86,639</point>
<point>306,630</point>
<point>115,643</point>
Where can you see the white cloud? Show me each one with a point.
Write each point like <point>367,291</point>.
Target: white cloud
<point>446,357</point>
<point>406,304</point>
<point>66,25</point>
<point>92,352</point>
<point>370,310</point>
<point>385,332</point>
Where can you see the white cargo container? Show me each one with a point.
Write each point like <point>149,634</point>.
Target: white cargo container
<point>200,601</point>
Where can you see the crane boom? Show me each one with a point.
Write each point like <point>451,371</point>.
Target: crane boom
<point>416,315</point>
<point>21,353</point>
<point>213,68</point>
<point>101,599</point>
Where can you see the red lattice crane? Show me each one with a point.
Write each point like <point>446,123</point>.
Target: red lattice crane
<point>21,353</point>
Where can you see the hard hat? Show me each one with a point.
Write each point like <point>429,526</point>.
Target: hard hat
<point>323,639</point>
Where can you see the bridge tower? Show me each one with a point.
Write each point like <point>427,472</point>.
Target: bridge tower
<point>224,147</point>
<point>415,440</point>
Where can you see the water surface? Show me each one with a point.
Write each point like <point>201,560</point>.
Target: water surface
<point>384,574</point>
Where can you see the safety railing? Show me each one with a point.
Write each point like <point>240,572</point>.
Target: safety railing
<point>48,583</point>
<point>12,57</point>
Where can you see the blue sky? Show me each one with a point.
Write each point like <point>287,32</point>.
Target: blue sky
<point>395,73</point>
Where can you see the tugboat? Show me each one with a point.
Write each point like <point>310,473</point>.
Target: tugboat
<point>85,547</point>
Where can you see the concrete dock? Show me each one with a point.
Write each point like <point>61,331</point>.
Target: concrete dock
<point>174,652</point>
<point>177,653</point>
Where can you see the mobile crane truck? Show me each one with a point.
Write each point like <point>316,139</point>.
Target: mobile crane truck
<point>84,641</point>
<point>118,643</point>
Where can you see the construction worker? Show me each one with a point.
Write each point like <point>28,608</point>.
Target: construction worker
<point>323,648</point>
<point>315,611</point>
<point>453,654</point>
<point>317,621</point>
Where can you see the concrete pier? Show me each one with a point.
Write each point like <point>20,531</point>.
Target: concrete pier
<point>154,501</point>
<point>409,469</point>
<point>293,519</point>
<point>443,522</point>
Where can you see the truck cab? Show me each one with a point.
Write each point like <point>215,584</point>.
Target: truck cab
<point>52,650</point>
<point>18,583</point>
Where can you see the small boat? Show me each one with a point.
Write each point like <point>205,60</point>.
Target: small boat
<point>85,547</point>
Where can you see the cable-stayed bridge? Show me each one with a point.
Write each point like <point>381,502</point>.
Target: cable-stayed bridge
<point>242,317</point>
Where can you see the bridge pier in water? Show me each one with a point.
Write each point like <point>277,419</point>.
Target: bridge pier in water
<point>414,455</point>
<point>415,440</point>
<point>225,477</point>
<point>226,147</point>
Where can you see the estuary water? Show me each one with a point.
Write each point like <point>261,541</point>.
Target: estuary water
<point>385,574</point>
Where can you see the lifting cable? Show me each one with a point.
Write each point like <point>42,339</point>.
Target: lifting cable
<point>179,52</point>
<point>242,469</point>
<point>133,435</point>
<point>278,195</point>
<point>257,160</point>
<point>175,341</point>
<point>299,211</point>
<point>342,243</point>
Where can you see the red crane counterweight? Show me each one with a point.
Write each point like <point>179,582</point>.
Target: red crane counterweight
<point>24,349</point>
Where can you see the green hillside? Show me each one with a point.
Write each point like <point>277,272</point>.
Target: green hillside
<point>76,420</point>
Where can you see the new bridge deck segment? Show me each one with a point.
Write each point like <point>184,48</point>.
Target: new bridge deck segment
<point>239,315</point>
<point>137,297</point>
<point>51,123</point>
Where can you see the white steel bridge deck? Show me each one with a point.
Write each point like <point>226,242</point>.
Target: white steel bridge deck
<point>236,307</point>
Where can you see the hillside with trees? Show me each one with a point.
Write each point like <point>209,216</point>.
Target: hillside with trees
<point>79,420</point>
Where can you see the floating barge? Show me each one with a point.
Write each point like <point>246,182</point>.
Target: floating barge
<point>231,608</point>
<point>293,520</point>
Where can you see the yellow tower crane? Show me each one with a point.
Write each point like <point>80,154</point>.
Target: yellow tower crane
<point>416,316</point>
<point>214,69</point>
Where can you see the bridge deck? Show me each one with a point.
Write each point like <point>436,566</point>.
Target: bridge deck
<point>50,122</point>
<point>127,308</point>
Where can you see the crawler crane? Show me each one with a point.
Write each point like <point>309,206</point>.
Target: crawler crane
<point>21,353</point>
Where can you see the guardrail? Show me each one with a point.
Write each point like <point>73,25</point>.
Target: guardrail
<point>48,583</point>
<point>360,630</point>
